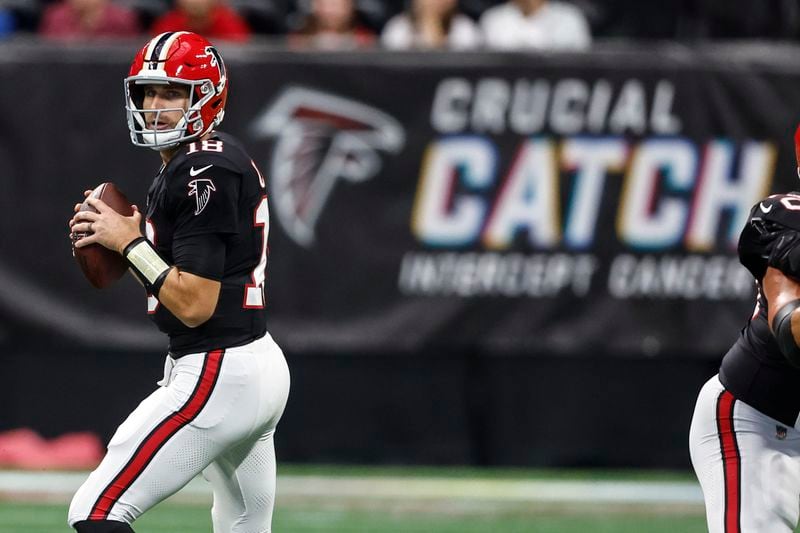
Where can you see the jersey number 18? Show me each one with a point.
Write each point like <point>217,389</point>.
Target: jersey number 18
<point>254,292</point>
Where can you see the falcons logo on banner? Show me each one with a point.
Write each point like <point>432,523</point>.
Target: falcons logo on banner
<point>321,138</point>
<point>201,190</point>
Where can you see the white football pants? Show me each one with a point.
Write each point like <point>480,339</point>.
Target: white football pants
<point>748,465</point>
<point>214,413</point>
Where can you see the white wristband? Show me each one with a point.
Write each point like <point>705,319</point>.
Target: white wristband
<point>146,260</point>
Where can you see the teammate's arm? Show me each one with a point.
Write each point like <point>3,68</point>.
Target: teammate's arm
<point>783,297</point>
<point>784,253</point>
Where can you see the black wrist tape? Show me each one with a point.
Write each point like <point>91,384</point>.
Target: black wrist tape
<point>782,330</point>
<point>148,265</point>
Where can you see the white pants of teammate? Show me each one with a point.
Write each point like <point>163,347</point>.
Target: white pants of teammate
<point>214,413</point>
<point>748,465</point>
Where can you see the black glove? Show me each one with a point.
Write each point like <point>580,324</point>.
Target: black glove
<point>784,253</point>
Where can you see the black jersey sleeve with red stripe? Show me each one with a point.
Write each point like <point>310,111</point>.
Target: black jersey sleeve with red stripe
<point>767,220</point>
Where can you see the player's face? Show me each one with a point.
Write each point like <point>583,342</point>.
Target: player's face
<point>160,97</point>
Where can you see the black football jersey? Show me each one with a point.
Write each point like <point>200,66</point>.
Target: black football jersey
<point>754,370</point>
<point>212,189</point>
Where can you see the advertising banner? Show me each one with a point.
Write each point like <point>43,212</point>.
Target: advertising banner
<point>575,205</point>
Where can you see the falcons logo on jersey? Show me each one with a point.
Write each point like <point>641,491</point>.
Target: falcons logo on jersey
<point>201,190</point>
<point>321,138</point>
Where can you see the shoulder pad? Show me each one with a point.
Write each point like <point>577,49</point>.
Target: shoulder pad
<point>194,156</point>
<point>776,212</point>
<point>769,217</point>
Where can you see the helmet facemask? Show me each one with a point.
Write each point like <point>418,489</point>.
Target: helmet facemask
<point>181,59</point>
<point>189,127</point>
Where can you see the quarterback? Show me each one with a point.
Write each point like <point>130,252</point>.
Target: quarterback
<point>202,260</point>
<point>744,439</point>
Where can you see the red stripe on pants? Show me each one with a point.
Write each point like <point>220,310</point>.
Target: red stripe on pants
<point>158,437</point>
<point>731,462</point>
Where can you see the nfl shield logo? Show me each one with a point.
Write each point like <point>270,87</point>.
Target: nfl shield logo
<point>780,432</point>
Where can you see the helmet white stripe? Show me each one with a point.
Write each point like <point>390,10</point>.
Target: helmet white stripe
<point>158,49</point>
<point>154,42</point>
<point>164,52</point>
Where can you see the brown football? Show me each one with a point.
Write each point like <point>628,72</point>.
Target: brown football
<point>102,266</point>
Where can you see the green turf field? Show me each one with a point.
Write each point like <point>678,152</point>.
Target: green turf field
<point>172,518</point>
<point>331,499</point>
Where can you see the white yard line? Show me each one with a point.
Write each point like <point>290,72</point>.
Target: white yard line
<point>19,485</point>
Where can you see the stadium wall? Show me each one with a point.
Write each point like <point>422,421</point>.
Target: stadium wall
<point>493,259</point>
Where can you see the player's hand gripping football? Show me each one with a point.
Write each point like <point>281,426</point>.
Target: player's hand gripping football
<point>105,227</point>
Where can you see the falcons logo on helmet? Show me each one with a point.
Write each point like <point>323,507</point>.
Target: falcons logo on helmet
<point>321,138</point>
<point>201,190</point>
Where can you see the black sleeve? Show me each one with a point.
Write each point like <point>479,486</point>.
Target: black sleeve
<point>782,329</point>
<point>202,255</point>
<point>751,249</point>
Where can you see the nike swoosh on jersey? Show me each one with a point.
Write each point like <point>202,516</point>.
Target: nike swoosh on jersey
<point>193,172</point>
<point>764,209</point>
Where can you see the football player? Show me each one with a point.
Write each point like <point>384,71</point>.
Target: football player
<point>202,260</point>
<point>744,439</point>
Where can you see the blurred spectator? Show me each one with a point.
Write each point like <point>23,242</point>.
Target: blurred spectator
<point>331,25</point>
<point>266,17</point>
<point>146,10</point>
<point>431,24</point>
<point>25,14</point>
<point>7,23</point>
<point>87,19</point>
<point>213,19</point>
<point>535,24</point>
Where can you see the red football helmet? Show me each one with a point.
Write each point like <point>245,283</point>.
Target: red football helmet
<point>183,58</point>
<point>797,148</point>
